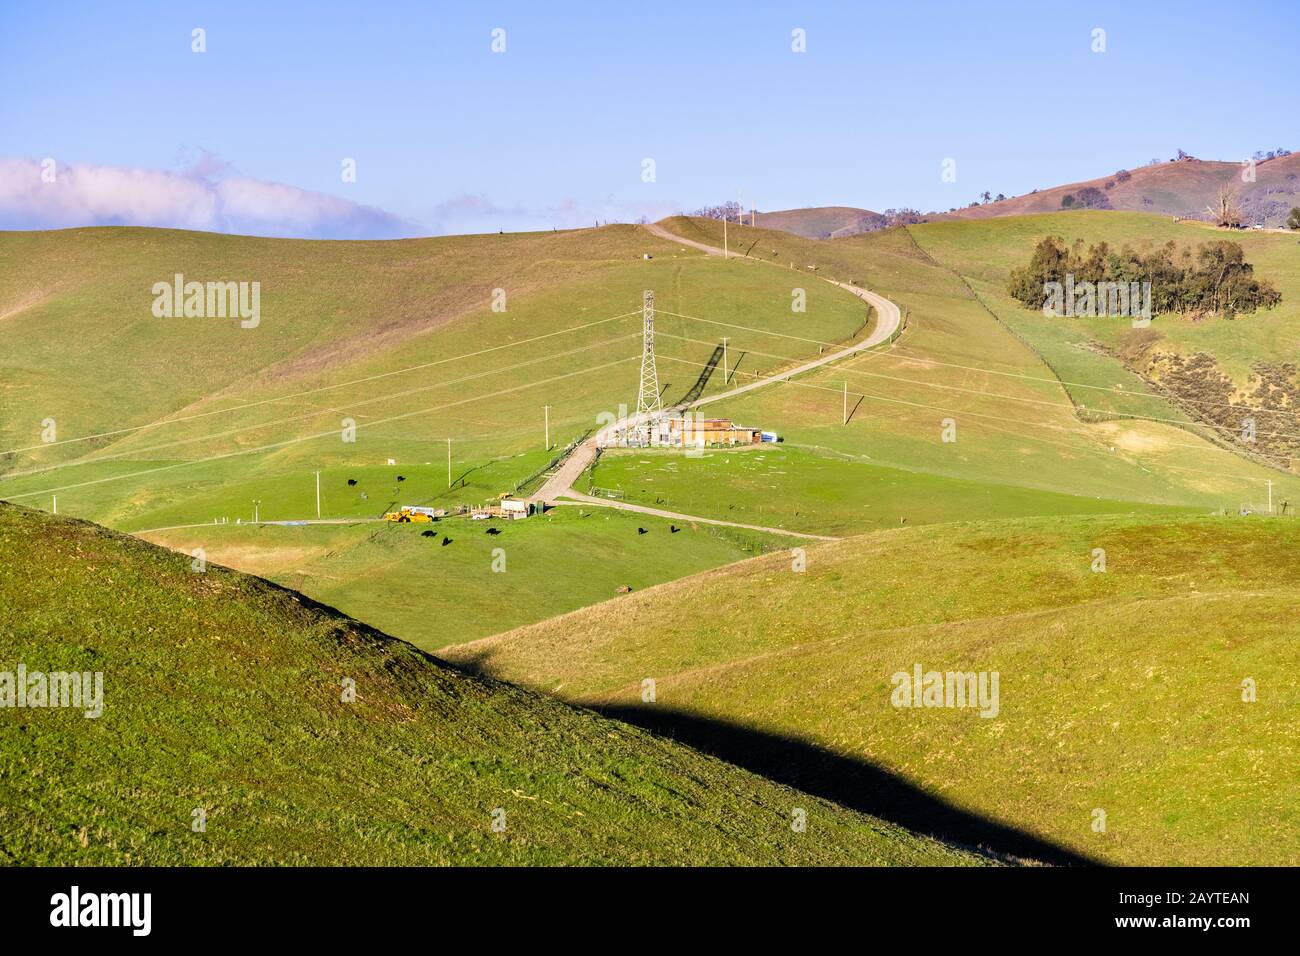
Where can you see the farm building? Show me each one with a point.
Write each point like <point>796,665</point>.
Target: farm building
<point>515,508</point>
<point>716,431</point>
<point>508,508</point>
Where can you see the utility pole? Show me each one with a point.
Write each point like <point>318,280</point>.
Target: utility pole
<point>56,504</point>
<point>546,411</point>
<point>448,464</point>
<point>318,494</point>
<point>846,404</point>
<point>1270,495</point>
<point>725,377</point>
<point>724,236</point>
<point>257,510</point>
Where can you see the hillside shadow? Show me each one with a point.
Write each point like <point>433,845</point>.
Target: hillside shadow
<point>855,784</point>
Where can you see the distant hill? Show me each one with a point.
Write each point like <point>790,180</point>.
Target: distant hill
<point>225,738</point>
<point>822,222</point>
<point>1184,188</point>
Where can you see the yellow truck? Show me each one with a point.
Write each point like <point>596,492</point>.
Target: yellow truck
<point>411,514</point>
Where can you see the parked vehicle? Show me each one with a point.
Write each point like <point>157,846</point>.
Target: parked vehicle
<point>412,514</point>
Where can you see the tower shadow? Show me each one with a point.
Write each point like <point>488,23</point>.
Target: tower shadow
<point>697,389</point>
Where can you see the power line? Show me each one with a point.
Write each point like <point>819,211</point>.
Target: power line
<point>135,452</point>
<point>996,395</point>
<point>1058,381</point>
<point>323,388</point>
<point>743,328</point>
<point>980,415</point>
<point>328,434</point>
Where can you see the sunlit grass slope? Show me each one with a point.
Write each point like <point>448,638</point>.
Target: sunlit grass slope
<point>225,739</point>
<point>960,362</point>
<point>1121,690</point>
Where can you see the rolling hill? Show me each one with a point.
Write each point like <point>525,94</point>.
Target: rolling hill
<point>1123,686</point>
<point>821,222</point>
<point>195,426</point>
<point>1184,189</point>
<point>181,431</point>
<point>226,737</point>
<point>1035,404</point>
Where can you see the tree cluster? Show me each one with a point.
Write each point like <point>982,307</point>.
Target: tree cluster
<point>727,210</point>
<point>1089,197</point>
<point>1215,279</point>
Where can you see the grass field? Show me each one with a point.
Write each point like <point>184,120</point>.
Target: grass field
<point>988,253</point>
<point>831,492</point>
<point>222,705</point>
<point>1120,690</point>
<point>200,419</point>
<point>1015,422</point>
<point>432,594</point>
<point>976,481</point>
<point>219,418</point>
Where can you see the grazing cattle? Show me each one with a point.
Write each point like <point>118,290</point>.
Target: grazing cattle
<point>641,531</point>
<point>445,541</point>
<point>673,528</point>
<point>428,533</point>
<point>401,477</point>
<point>493,530</point>
<point>351,482</point>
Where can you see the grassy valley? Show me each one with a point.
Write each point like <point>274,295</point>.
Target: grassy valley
<point>226,738</point>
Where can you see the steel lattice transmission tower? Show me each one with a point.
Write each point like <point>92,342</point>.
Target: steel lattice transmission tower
<point>647,400</point>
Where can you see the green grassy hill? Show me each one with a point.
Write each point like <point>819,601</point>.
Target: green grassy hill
<point>179,429</point>
<point>1018,425</point>
<point>1120,690</point>
<point>223,694</point>
<point>197,419</point>
<point>1093,355</point>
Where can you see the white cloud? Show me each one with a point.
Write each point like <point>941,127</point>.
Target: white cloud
<point>88,195</point>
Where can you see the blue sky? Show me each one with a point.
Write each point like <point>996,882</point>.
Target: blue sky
<point>449,136</point>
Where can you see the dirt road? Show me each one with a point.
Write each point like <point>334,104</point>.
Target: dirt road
<point>560,484</point>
